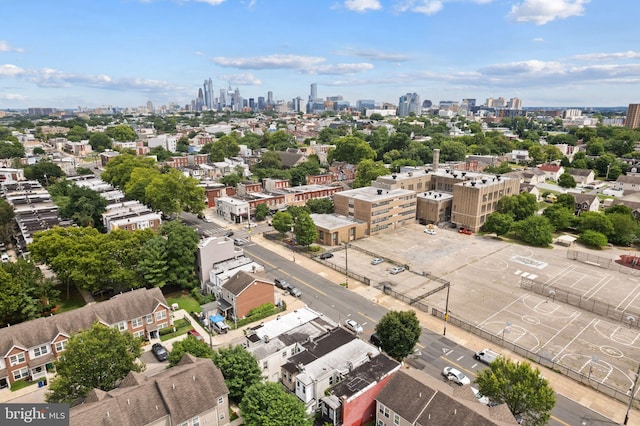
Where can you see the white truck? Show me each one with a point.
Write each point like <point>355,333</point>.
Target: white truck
<point>486,355</point>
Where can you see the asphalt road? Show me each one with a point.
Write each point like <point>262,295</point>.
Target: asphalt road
<point>435,351</point>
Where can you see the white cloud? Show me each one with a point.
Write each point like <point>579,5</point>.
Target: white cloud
<point>426,7</point>
<point>362,5</point>
<point>198,53</point>
<point>541,12</point>
<point>211,2</point>
<point>9,70</point>
<point>340,69</point>
<point>538,39</point>
<point>269,62</point>
<point>247,79</point>
<point>375,55</point>
<point>13,97</point>
<point>6,47</point>
<point>630,54</point>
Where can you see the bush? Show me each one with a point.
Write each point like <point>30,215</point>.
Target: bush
<point>593,239</point>
<point>258,313</point>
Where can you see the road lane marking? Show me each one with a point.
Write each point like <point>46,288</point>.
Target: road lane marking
<point>455,364</point>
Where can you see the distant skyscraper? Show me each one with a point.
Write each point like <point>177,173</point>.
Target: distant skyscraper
<point>261,103</point>
<point>223,98</point>
<point>515,103</point>
<point>208,93</point>
<point>149,106</point>
<point>270,98</point>
<point>633,116</point>
<point>364,104</point>
<point>200,100</point>
<point>314,92</point>
<point>409,103</point>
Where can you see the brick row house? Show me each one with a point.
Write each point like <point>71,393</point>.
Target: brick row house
<point>27,348</point>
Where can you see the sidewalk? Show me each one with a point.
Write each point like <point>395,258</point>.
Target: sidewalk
<point>563,385</point>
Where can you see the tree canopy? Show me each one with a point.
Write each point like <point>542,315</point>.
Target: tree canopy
<point>118,170</point>
<point>520,206</point>
<point>521,387</point>
<point>305,229</point>
<point>97,358</point>
<point>190,345</point>
<point>121,133</point>
<point>269,404</point>
<point>350,149</point>
<point>368,171</point>
<point>498,223</point>
<point>6,218</point>
<point>83,205</point>
<point>566,181</point>
<point>239,368</point>
<point>282,222</point>
<point>534,230</point>
<point>399,332</point>
<point>44,172</point>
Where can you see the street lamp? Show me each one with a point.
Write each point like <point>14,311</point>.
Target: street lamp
<point>633,391</point>
<point>446,311</point>
<point>505,329</point>
<point>346,263</point>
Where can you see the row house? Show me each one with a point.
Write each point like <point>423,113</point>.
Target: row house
<point>551,171</point>
<point>191,393</point>
<point>213,191</point>
<point>130,216</point>
<point>177,162</point>
<point>321,179</point>
<point>26,349</point>
<point>242,293</point>
<point>341,171</point>
<point>80,148</point>
<point>582,176</point>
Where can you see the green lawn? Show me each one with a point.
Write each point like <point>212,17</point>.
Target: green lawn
<point>184,300</point>
<point>74,301</point>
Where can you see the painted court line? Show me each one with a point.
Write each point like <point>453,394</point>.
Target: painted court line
<point>481,324</point>
<point>560,274</point>
<point>574,338</point>
<point>635,289</point>
<point>600,284</point>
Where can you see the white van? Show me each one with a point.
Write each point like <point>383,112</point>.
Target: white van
<point>486,355</point>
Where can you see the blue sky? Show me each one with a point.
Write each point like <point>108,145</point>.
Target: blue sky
<point>90,53</point>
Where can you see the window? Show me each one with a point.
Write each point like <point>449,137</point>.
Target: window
<point>220,400</point>
<point>396,419</point>
<point>163,325</point>
<point>136,322</point>
<point>161,315</point>
<point>42,350</point>
<point>122,325</point>
<point>222,416</point>
<point>265,365</point>
<point>149,319</point>
<point>17,359</point>
<point>61,346</point>
<point>139,334</point>
<point>284,354</point>
<point>384,411</point>
<point>195,421</point>
<point>21,373</point>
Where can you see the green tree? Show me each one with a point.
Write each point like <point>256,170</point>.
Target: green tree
<point>305,230</point>
<point>453,151</point>
<point>83,205</point>
<point>191,345</point>
<point>321,205</point>
<point>153,265</point>
<point>231,180</point>
<point>282,222</point>
<point>280,141</point>
<point>97,358</point>
<point>595,221</point>
<point>44,172</point>
<point>625,229</point>
<point>566,181</point>
<point>262,211</point>
<point>225,147</point>
<point>269,404</point>
<point>520,206</point>
<point>173,193</point>
<point>77,134</point>
<point>498,223</point>
<point>160,153</point>
<point>368,171</point>
<point>11,149</point>
<point>537,154</point>
<point>399,332</point>
<point>559,216</point>
<point>269,160</point>
<point>38,151</point>
<point>567,201</point>
<point>239,368</point>
<point>118,170</point>
<point>121,133</point>
<point>25,293</point>
<point>180,251</point>
<point>6,220</point>
<point>534,230</point>
<point>99,141</point>
<point>593,238</point>
<point>351,149</point>
<point>139,179</point>
<point>521,387</point>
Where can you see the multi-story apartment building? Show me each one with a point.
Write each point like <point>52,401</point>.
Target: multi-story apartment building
<point>130,216</point>
<point>381,209</point>
<point>633,116</point>
<point>27,348</point>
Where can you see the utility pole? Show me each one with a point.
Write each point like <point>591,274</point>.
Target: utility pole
<point>346,263</point>
<point>446,311</point>
<point>633,392</point>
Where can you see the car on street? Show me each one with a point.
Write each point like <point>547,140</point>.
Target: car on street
<point>326,255</point>
<point>455,376</point>
<point>396,270</point>
<point>228,234</point>
<point>294,291</point>
<point>238,242</point>
<point>430,231</point>
<point>465,231</point>
<point>159,351</point>
<point>353,326</point>
<point>377,260</point>
<point>375,340</point>
<point>280,283</point>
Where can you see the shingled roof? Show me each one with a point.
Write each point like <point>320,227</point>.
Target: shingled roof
<point>124,307</point>
<point>240,281</point>
<point>181,393</point>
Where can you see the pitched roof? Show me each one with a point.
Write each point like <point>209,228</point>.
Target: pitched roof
<point>125,306</point>
<point>584,198</point>
<point>182,392</point>
<point>406,396</point>
<point>371,372</point>
<point>240,281</point>
<point>580,172</point>
<point>549,167</point>
<point>290,159</point>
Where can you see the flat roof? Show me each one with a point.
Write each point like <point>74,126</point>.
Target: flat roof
<point>374,194</point>
<point>333,221</point>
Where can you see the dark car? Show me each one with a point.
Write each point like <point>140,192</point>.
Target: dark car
<point>228,234</point>
<point>375,340</point>
<point>159,351</point>
<point>326,255</point>
<point>280,283</point>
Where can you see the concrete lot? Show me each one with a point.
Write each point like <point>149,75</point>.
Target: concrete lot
<point>485,274</point>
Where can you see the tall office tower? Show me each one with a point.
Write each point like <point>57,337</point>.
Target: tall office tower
<point>237,100</point>
<point>409,103</point>
<point>208,93</point>
<point>200,100</point>
<point>633,116</point>
<point>470,102</point>
<point>364,104</point>
<point>270,98</point>
<point>314,92</point>
<point>489,103</point>
<point>149,106</point>
<point>223,98</point>
<point>515,103</point>
<point>252,104</point>
<point>296,104</point>
<point>500,103</point>
<point>261,103</point>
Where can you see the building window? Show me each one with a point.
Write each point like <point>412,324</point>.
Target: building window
<point>61,346</point>
<point>284,354</point>
<point>21,373</point>
<point>163,325</point>
<point>17,359</point>
<point>136,322</point>
<point>396,419</point>
<point>122,325</point>
<point>149,319</point>
<point>139,334</point>
<point>384,411</point>
<point>265,365</point>
<point>161,315</point>
<point>220,400</point>
<point>42,350</point>
<point>195,421</point>
<point>222,416</point>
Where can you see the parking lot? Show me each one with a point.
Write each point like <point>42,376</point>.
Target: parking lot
<point>485,275</point>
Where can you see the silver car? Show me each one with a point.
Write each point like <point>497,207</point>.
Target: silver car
<point>396,270</point>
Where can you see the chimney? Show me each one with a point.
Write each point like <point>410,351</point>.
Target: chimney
<point>379,191</point>
<point>436,159</point>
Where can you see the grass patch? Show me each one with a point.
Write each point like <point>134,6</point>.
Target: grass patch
<point>21,384</point>
<point>74,301</point>
<point>184,300</point>
<point>182,327</point>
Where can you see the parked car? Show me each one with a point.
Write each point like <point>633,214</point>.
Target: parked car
<point>377,261</point>
<point>280,283</point>
<point>375,340</point>
<point>294,291</point>
<point>455,376</point>
<point>465,231</point>
<point>326,255</point>
<point>193,332</point>
<point>159,351</point>
<point>353,326</point>
<point>481,398</point>
<point>228,234</point>
<point>430,231</point>
<point>396,270</point>
<point>238,242</point>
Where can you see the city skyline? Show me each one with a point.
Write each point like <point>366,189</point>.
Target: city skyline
<point>546,52</point>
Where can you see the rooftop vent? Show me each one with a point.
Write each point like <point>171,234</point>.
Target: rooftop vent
<point>394,177</point>
<point>473,183</point>
<point>379,191</point>
<point>484,181</point>
<point>464,173</point>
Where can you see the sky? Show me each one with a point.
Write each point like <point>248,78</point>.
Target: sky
<point>92,53</point>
